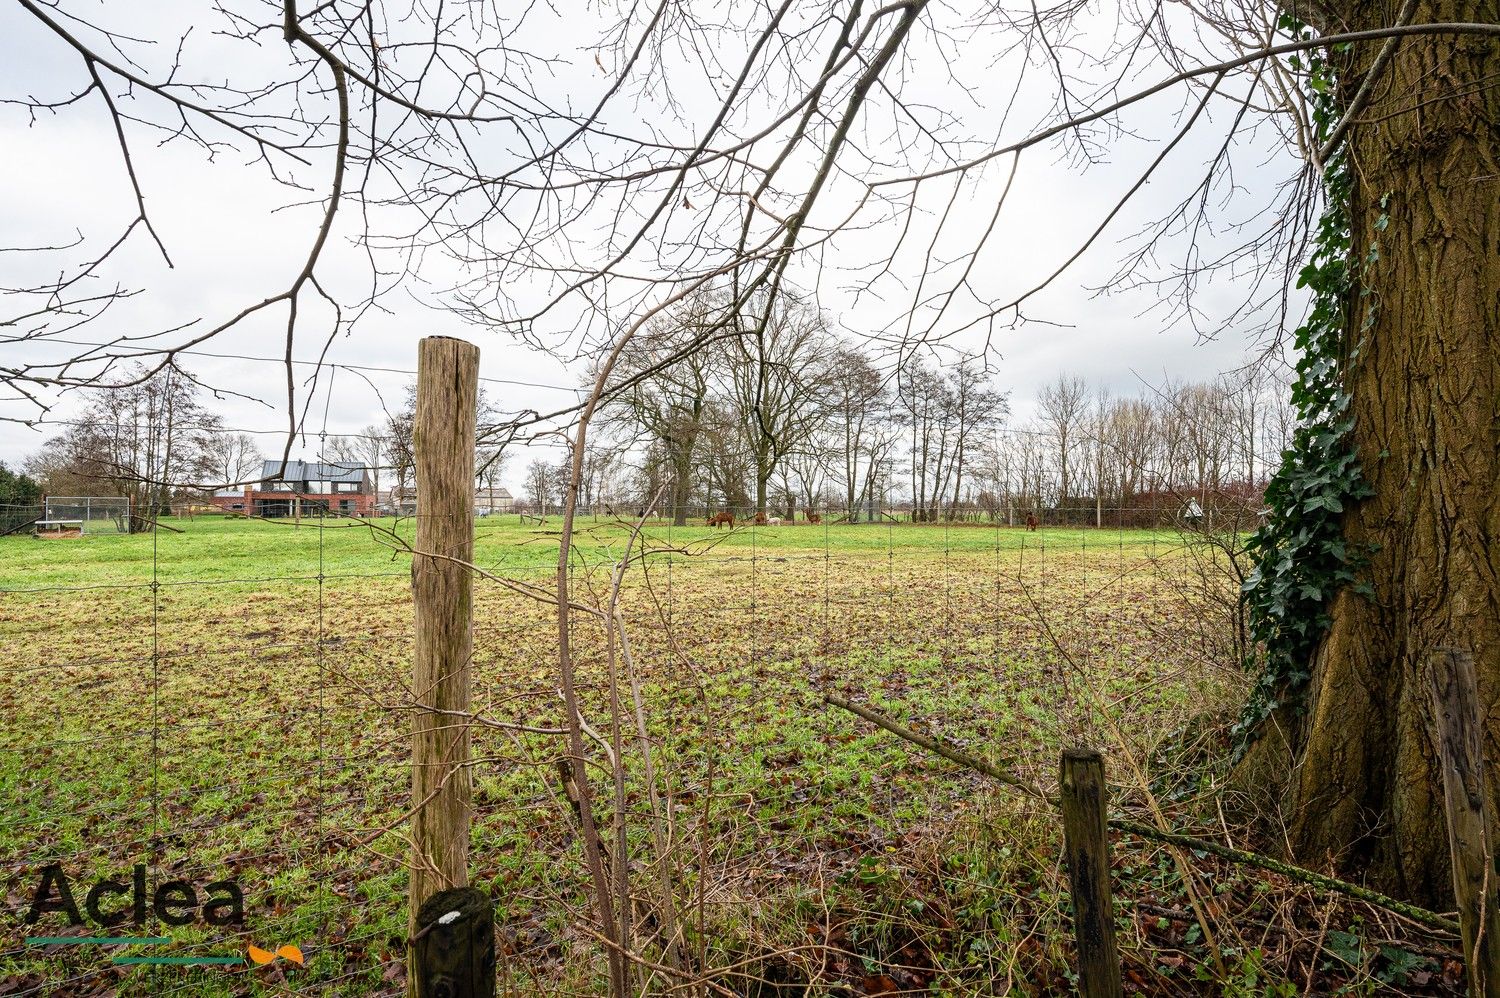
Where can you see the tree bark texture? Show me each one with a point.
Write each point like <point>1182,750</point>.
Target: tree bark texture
<point>1364,789</point>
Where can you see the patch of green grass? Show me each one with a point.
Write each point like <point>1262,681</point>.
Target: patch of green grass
<point>224,549</point>
<point>241,719</point>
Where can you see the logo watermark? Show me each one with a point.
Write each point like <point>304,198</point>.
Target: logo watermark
<point>112,903</point>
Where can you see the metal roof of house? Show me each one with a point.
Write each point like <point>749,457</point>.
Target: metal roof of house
<point>303,471</point>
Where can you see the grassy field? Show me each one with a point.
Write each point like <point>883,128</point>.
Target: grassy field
<point>225,703</point>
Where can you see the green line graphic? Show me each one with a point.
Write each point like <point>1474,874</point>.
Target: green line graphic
<point>176,961</point>
<point>179,961</point>
<point>97,940</point>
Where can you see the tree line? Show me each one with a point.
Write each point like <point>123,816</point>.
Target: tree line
<point>792,416</point>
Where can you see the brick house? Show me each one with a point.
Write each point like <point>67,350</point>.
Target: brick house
<point>302,488</point>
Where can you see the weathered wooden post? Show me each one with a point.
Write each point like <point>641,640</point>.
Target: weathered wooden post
<point>1476,884</point>
<point>453,947</point>
<point>1086,848</point>
<point>442,591</point>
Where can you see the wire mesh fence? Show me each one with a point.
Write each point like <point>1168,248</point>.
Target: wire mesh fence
<point>19,517</point>
<point>226,710</point>
<point>92,514</point>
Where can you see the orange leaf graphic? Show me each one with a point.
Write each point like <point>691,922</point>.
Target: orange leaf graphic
<point>261,956</point>
<point>291,952</point>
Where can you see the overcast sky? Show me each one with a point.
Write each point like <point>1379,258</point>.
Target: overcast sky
<point>234,240</point>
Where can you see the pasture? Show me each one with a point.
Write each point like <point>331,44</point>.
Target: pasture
<point>228,703</point>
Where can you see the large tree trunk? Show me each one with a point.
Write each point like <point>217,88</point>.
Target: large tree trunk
<point>1364,788</point>
<point>682,486</point>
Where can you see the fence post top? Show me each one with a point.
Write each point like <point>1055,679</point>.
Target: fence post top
<point>466,902</point>
<point>443,340</point>
<point>1082,755</point>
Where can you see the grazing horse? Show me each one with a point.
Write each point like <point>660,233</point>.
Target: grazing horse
<point>774,521</point>
<point>1030,521</point>
<point>720,519</point>
<point>812,517</point>
<point>760,519</point>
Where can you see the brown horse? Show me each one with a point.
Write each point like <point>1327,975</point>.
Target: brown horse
<point>760,519</point>
<point>719,519</point>
<point>812,517</point>
<point>1031,521</point>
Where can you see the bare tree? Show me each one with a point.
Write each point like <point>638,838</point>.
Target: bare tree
<point>231,458</point>
<point>1032,469</point>
<point>1259,400</point>
<point>1104,454</point>
<point>1063,405</point>
<point>399,448</point>
<point>489,467</point>
<point>545,483</point>
<point>668,389</point>
<point>977,408</point>
<point>601,467</point>
<point>779,383</point>
<point>1202,441</point>
<point>144,439</point>
<point>1278,424</point>
<point>727,460</point>
<point>925,396</point>
<point>1131,433</point>
<point>370,448</point>
<point>803,475</point>
<point>860,411</point>
<point>60,474</point>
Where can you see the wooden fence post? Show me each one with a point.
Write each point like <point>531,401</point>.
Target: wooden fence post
<point>1086,847</point>
<point>453,949</point>
<point>442,591</point>
<point>1476,885</point>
